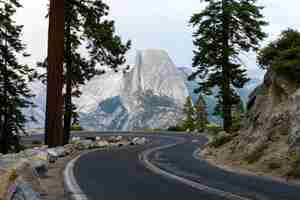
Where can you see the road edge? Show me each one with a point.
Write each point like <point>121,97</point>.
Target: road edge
<point>71,187</point>
<point>244,172</point>
<point>144,159</point>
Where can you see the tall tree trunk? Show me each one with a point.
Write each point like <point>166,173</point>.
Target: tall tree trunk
<point>54,107</point>
<point>68,95</point>
<point>226,70</point>
<point>5,128</point>
<point>2,133</point>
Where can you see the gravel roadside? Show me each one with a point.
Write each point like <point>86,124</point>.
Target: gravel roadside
<point>53,181</point>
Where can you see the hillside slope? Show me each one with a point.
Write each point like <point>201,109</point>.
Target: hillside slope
<point>270,138</point>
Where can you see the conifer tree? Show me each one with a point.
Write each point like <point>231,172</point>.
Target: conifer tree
<point>189,111</point>
<point>238,112</point>
<point>224,29</point>
<point>54,104</point>
<point>14,78</point>
<point>200,114</point>
<point>86,25</point>
<point>283,55</point>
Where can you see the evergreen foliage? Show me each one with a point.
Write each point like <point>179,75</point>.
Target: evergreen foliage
<point>189,111</point>
<point>200,114</point>
<point>238,113</point>
<point>86,25</point>
<point>224,29</point>
<point>283,55</point>
<point>14,78</point>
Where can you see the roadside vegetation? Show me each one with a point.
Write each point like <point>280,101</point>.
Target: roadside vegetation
<point>282,55</point>
<point>195,117</point>
<point>274,155</point>
<point>81,40</point>
<point>76,127</point>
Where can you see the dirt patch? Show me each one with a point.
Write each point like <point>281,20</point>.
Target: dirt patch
<point>7,179</point>
<point>53,181</point>
<point>273,163</point>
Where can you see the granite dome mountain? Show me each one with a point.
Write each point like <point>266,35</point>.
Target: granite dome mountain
<point>150,95</point>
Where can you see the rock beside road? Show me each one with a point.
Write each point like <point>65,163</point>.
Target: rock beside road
<point>20,173</point>
<point>269,140</point>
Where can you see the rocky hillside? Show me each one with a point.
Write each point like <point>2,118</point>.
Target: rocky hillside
<point>270,138</point>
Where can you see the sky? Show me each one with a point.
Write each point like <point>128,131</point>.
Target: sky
<point>155,24</point>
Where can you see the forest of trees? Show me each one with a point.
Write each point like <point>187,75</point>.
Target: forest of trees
<point>223,30</point>
<point>14,78</point>
<point>196,117</point>
<point>73,24</point>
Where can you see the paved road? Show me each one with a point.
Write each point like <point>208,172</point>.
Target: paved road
<point>119,174</point>
<point>116,174</point>
<point>179,160</point>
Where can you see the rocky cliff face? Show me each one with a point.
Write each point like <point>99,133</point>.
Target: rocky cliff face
<point>270,138</point>
<point>151,95</point>
<point>274,114</point>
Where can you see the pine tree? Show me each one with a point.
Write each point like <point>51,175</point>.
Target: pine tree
<point>189,111</point>
<point>200,114</point>
<point>84,27</point>
<point>283,55</point>
<point>224,29</point>
<point>238,113</point>
<point>14,77</point>
<point>54,105</point>
<point>84,24</point>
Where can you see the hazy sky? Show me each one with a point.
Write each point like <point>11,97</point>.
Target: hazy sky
<point>161,24</point>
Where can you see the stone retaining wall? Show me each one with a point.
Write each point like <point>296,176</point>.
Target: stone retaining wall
<point>20,173</point>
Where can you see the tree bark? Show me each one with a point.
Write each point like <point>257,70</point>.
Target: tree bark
<point>54,108</point>
<point>68,95</point>
<point>5,128</point>
<point>226,70</point>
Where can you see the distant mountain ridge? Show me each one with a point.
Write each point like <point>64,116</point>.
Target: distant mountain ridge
<point>151,95</point>
<point>211,100</point>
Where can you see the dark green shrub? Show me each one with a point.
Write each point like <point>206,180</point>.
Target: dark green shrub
<point>37,142</point>
<point>220,140</point>
<point>176,129</point>
<point>294,170</point>
<point>213,129</point>
<point>76,127</point>
<point>255,155</point>
<point>282,55</point>
<point>294,173</point>
<point>274,165</point>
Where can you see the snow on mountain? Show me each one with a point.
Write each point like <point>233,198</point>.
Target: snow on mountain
<point>151,95</point>
<point>211,100</point>
<point>99,89</point>
<point>38,111</point>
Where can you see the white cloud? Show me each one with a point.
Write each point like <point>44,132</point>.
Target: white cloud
<point>153,24</point>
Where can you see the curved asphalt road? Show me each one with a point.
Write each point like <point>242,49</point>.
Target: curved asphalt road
<point>118,174</point>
